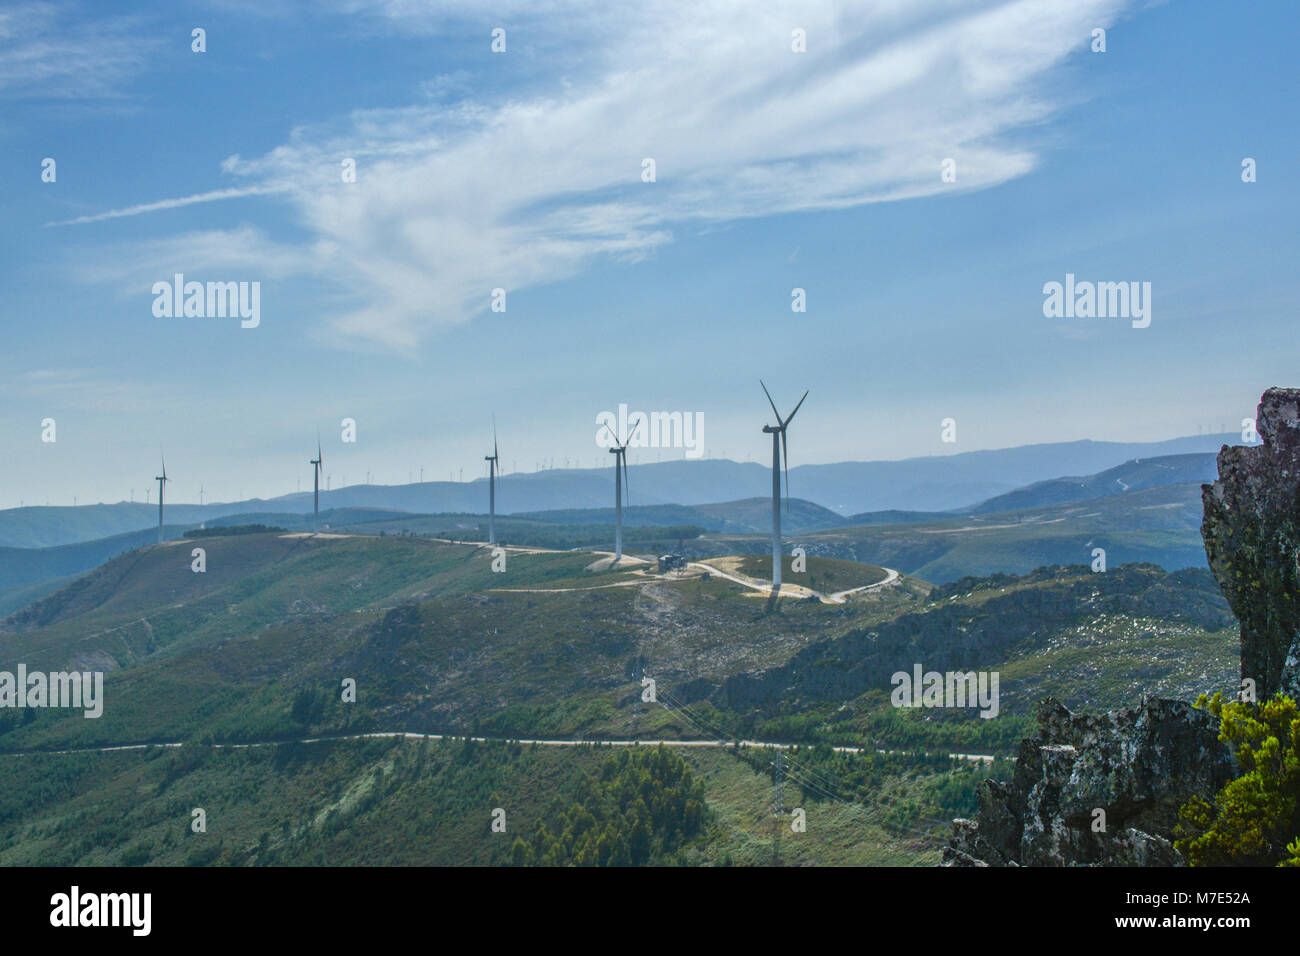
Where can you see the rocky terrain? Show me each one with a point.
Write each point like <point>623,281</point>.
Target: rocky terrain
<point>1252,538</point>
<point>1096,790</point>
<point>1138,765</point>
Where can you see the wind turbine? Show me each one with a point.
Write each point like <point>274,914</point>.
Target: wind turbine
<point>162,480</point>
<point>620,479</point>
<point>315,480</point>
<point>492,485</point>
<point>779,452</point>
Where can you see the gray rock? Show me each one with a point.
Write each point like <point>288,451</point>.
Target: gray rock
<point>1139,765</point>
<point>1251,530</point>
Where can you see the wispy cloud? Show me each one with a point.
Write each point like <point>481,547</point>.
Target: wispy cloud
<point>85,389</point>
<point>524,186</point>
<point>213,196</point>
<point>65,51</point>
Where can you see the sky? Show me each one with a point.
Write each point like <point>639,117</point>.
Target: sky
<point>524,170</point>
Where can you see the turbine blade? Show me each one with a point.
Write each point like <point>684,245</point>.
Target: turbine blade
<point>495,451</point>
<point>796,408</point>
<point>772,403</point>
<point>627,488</point>
<point>633,432</point>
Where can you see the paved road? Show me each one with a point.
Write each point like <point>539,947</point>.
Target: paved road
<point>766,588</point>
<point>409,735</point>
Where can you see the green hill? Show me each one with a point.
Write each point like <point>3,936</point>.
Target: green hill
<point>256,650</point>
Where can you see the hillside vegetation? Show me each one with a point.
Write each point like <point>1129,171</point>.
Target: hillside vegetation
<point>259,647</point>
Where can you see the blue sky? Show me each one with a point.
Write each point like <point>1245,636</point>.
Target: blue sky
<point>522,170</point>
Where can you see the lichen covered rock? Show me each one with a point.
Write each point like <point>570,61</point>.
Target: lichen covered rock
<point>1137,766</point>
<point>1251,529</point>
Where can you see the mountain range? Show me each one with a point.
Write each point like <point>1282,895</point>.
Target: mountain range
<point>963,480</point>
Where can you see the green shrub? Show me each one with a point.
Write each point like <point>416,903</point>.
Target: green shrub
<point>1255,819</point>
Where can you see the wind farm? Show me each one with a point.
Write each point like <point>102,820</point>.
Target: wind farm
<point>1023,596</point>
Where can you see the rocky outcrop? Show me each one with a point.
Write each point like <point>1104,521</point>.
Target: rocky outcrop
<point>1138,765</point>
<point>1251,530</point>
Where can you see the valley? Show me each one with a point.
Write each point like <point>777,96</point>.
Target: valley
<point>225,686</point>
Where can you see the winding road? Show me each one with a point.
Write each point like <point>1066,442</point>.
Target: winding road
<point>411,735</point>
<point>765,588</point>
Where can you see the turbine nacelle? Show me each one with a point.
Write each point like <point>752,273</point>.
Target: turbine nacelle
<point>779,429</point>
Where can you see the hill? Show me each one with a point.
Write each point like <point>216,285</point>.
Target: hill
<point>254,651</point>
<point>1130,476</point>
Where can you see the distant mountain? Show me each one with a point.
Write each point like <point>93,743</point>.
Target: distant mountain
<point>1158,525</point>
<point>755,514</point>
<point>892,516</point>
<point>935,483</point>
<point>748,515</point>
<point>1130,476</point>
<point>27,574</point>
<point>953,482</point>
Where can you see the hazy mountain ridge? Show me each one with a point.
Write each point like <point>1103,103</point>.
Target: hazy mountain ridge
<point>1130,476</point>
<point>934,484</point>
<point>1045,523</point>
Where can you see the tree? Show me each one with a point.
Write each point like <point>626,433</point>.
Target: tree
<point>1255,819</point>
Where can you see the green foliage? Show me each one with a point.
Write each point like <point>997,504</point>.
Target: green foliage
<point>1255,819</point>
<point>939,787</point>
<point>643,806</point>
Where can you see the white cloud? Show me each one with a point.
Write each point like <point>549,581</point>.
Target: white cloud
<point>215,195</point>
<point>522,186</point>
<point>56,51</point>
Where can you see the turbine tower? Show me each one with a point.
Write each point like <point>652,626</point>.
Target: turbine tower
<point>315,480</point>
<point>162,480</point>
<point>492,485</point>
<point>620,481</point>
<point>779,452</point>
